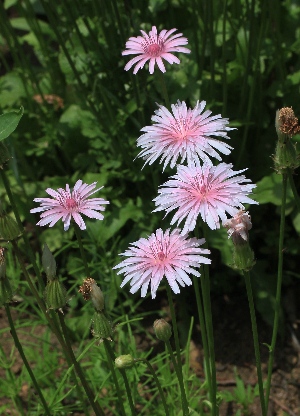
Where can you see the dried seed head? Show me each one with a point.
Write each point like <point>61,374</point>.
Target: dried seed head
<point>90,290</point>
<point>287,122</point>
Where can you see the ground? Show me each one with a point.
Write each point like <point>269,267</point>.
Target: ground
<point>234,353</point>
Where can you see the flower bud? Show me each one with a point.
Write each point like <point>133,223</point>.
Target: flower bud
<point>102,327</point>
<point>90,290</point>
<point>243,256</point>
<point>124,361</point>
<point>162,329</point>
<point>55,294</point>
<point>9,229</point>
<point>49,263</point>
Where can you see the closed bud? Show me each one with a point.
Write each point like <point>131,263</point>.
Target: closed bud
<point>124,361</point>
<point>49,263</point>
<point>55,294</point>
<point>102,327</point>
<point>162,329</point>
<point>243,256</point>
<point>9,229</point>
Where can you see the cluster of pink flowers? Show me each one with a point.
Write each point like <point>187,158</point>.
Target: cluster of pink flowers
<point>199,189</point>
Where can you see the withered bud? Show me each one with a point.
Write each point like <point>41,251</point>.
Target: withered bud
<point>90,290</point>
<point>286,122</point>
<point>55,294</point>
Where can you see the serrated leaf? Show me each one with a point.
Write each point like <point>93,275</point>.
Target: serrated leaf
<point>9,122</point>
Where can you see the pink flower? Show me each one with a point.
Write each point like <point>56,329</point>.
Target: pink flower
<point>67,204</point>
<point>239,225</point>
<point>162,254</point>
<point>208,191</point>
<point>153,48</point>
<point>186,133</point>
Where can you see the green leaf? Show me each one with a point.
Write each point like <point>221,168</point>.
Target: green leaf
<point>9,122</point>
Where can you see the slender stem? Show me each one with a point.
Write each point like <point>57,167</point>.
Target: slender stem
<point>205,285</point>
<point>278,290</point>
<point>52,322</point>
<point>292,183</point>
<point>164,89</point>
<point>82,252</point>
<point>110,355</point>
<point>128,391</point>
<point>158,385</point>
<point>21,352</point>
<point>95,405</point>
<point>184,402</point>
<point>203,335</point>
<point>24,235</point>
<point>255,341</point>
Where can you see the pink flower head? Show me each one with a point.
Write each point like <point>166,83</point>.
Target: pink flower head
<point>153,48</point>
<point>206,190</point>
<point>162,254</point>
<point>239,225</point>
<point>66,204</point>
<point>186,133</point>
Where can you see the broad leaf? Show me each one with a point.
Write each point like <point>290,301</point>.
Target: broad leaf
<point>9,122</point>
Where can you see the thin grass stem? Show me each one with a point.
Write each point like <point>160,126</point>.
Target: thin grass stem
<point>278,290</point>
<point>255,342</point>
<point>157,382</point>
<point>178,367</point>
<point>26,363</point>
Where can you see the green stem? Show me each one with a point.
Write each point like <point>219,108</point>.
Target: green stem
<point>164,89</point>
<point>95,405</point>
<point>184,402</point>
<point>295,193</point>
<point>255,341</point>
<point>24,235</point>
<point>21,352</point>
<point>203,335</point>
<point>110,355</point>
<point>82,252</point>
<point>205,286</point>
<point>158,385</point>
<point>278,290</point>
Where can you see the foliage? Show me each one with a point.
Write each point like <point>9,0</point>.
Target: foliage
<point>62,63</point>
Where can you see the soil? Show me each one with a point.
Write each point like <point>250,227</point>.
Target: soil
<point>234,354</point>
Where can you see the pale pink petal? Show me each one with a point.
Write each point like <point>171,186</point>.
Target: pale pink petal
<point>207,191</point>
<point>163,254</point>
<point>66,205</point>
<point>153,47</point>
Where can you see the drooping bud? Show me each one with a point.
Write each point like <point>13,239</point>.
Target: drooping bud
<point>49,263</point>
<point>124,361</point>
<point>162,329</point>
<point>9,229</point>
<point>90,290</point>
<point>102,327</point>
<point>55,294</point>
